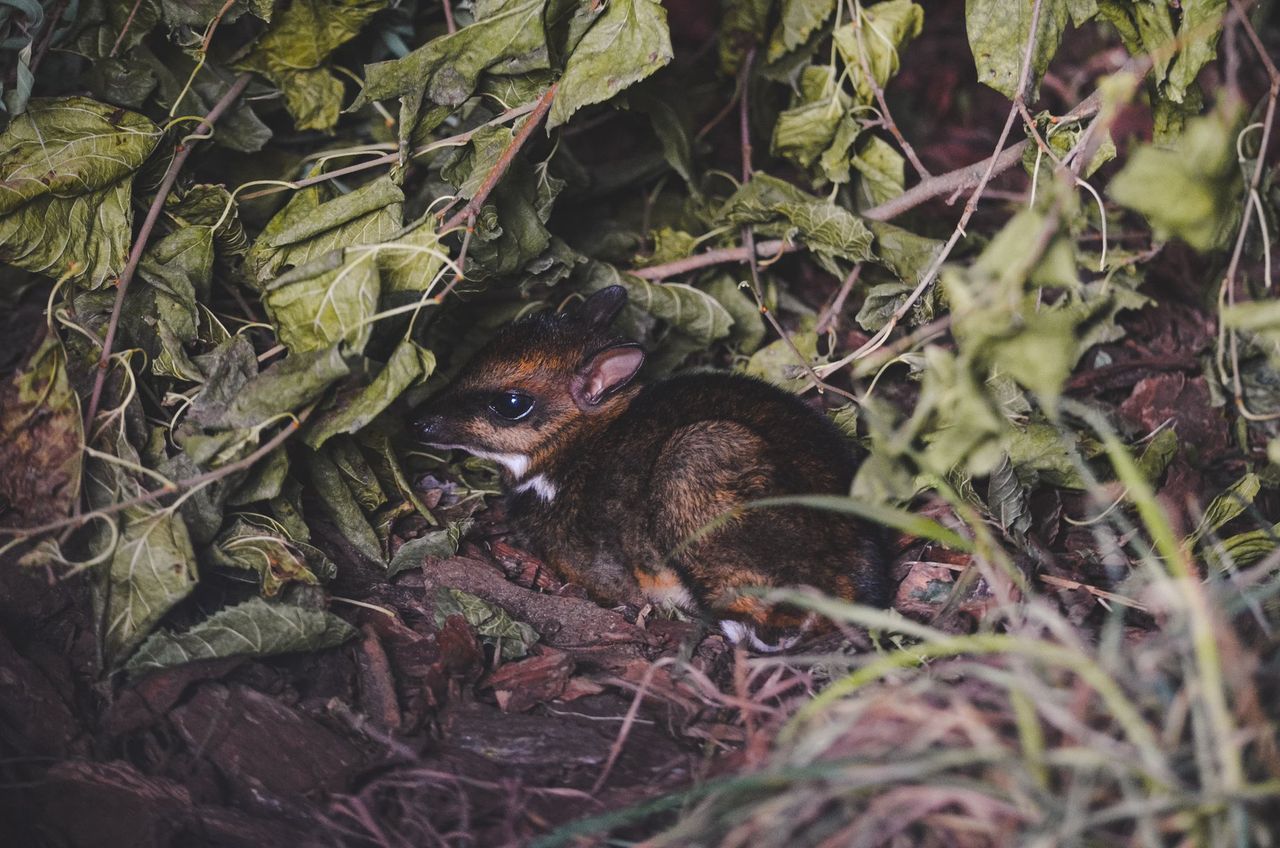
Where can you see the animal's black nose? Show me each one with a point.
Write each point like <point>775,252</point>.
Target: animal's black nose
<point>427,427</point>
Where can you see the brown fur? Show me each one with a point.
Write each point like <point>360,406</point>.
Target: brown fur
<point>639,472</point>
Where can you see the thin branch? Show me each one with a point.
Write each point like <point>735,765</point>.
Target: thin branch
<point>449,23</point>
<point>500,167</point>
<point>213,25</point>
<point>460,271</point>
<point>718,256</point>
<point>128,22</point>
<point>749,236</point>
<point>140,243</point>
<point>970,207</point>
<point>887,117</point>
<point>830,316</point>
<point>46,36</point>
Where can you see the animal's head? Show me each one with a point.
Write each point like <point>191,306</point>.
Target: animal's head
<point>540,380</point>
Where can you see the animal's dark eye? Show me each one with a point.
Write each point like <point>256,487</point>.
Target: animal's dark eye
<point>512,406</point>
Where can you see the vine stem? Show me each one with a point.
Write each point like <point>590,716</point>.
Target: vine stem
<point>1246,218</point>
<point>144,233</point>
<point>500,167</point>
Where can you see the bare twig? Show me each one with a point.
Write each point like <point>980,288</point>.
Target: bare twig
<point>886,117</point>
<point>128,22</point>
<point>144,233</point>
<point>46,35</point>
<point>500,167</point>
<point>449,23</point>
<point>628,721</point>
<point>718,256</point>
<point>213,25</point>
<point>830,316</point>
<point>460,271</point>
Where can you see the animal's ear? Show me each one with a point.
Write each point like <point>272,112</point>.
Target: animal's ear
<point>605,373</point>
<point>599,310</point>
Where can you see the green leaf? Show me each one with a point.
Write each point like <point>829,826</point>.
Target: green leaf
<point>695,313</point>
<point>777,363</point>
<point>152,567</point>
<point>903,252</point>
<point>508,37</point>
<point>317,311</point>
<point>998,34</point>
<point>625,45</point>
<point>1200,28</point>
<point>1191,191</point>
<point>239,129</point>
<point>1007,499</point>
<point>673,136</point>
<point>883,172</point>
<point>1042,449</point>
<point>748,324</point>
<point>886,28</point>
<point>286,386</point>
<point>778,208</point>
<point>41,438</point>
<point>955,417</point>
<point>1157,455</point>
<point>294,49</point>
<point>441,544</point>
<point>335,286</point>
<point>101,23</point>
<point>490,622</point>
<point>307,228</point>
<point>409,364</point>
<point>66,174</point>
<point>1244,549</point>
<point>341,504</point>
<point>1228,505</point>
<point>254,628</point>
<point>817,124</point>
<point>799,20</point>
<point>411,262</point>
<point>264,481</point>
<point>880,303</point>
<point>742,26</point>
<point>1261,319</point>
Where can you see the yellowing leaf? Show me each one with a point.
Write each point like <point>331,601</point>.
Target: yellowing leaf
<point>41,438</point>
